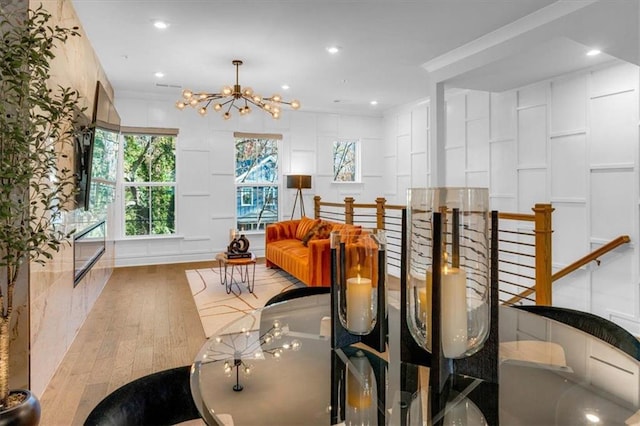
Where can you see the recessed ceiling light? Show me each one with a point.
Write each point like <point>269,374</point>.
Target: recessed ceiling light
<point>593,52</point>
<point>285,87</point>
<point>333,49</point>
<point>374,102</point>
<point>161,25</point>
<point>159,74</point>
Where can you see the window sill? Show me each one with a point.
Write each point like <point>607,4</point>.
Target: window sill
<point>150,237</point>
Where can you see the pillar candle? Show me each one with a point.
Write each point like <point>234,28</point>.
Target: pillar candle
<point>454,312</point>
<point>359,381</point>
<point>359,305</point>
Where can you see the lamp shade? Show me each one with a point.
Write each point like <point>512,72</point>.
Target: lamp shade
<point>299,181</point>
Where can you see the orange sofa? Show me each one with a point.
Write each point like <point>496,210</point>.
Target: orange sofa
<point>302,248</point>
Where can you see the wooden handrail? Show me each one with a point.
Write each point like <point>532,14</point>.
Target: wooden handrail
<point>594,255</point>
<point>517,216</point>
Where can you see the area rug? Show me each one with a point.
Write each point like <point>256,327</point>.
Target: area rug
<point>217,308</point>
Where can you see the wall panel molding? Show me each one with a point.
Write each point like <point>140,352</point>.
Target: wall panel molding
<point>564,134</point>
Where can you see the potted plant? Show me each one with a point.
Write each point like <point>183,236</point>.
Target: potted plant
<point>36,179</point>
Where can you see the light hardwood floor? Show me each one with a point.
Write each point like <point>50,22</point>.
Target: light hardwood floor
<point>144,321</point>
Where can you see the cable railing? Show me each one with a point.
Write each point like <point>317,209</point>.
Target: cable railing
<point>524,251</point>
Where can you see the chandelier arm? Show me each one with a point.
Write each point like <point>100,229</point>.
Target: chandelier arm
<point>224,103</point>
<point>209,96</point>
<point>258,104</point>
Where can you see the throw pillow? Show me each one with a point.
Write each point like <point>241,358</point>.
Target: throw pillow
<point>321,231</point>
<point>305,226</point>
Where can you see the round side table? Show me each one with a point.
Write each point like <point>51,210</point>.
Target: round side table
<point>241,265</point>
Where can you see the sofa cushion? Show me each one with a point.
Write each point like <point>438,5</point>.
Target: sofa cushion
<point>320,231</point>
<point>291,256</point>
<point>305,225</point>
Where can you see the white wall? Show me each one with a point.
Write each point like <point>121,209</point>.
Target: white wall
<point>571,141</point>
<point>205,171</point>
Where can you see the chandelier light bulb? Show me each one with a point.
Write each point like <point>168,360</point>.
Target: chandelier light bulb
<point>226,115</point>
<point>180,105</point>
<point>248,91</point>
<point>267,107</point>
<point>203,96</point>
<point>193,102</point>
<point>257,99</point>
<point>276,98</point>
<point>275,115</point>
<point>295,104</point>
<point>187,94</point>
<point>203,111</point>
<point>226,91</point>
<point>217,107</point>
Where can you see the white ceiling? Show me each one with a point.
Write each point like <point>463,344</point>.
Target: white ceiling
<point>385,45</point>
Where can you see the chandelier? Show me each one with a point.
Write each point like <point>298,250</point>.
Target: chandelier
<point>233,97</point>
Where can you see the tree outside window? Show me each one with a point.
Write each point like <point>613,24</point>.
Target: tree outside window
<point>345,161</point>
<point>149,184</point>
<point>256,179</point>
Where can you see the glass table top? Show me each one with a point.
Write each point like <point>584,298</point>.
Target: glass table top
<point>276,366</point>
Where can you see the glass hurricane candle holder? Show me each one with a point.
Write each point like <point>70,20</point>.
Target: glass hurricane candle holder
<point>357,257</point>
<point>455,254</point>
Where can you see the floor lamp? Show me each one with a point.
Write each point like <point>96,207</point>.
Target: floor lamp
<point>298,182</point>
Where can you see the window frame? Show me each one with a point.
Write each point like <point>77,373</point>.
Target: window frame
<point>256,185</point>
<point>357,160</point>
<point>149,185</point>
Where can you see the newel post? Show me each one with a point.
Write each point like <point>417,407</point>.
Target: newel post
<point>316,207</point>
<point>380,203</point>
<point>543,231</point>
<point>348,210</point>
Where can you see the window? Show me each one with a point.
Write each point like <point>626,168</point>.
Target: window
<point>256,181</point>
<point>345,161</point>
<point>149,169</point>
<point>104,166</point>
